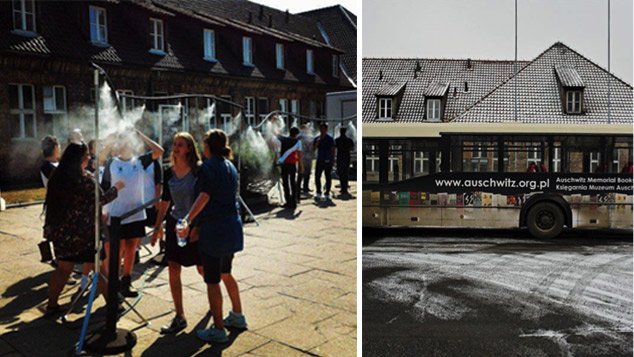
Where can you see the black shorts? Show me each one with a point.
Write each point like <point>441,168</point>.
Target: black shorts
<point>150,213</point>
<point>130,230</point>
<point>214,266</point>
<point>185,256</point>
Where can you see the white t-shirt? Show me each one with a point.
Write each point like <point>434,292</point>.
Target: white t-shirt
<point>152,178</point>
<point>132,173</point>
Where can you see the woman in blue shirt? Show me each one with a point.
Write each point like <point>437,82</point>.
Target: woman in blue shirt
<point>216,211</point>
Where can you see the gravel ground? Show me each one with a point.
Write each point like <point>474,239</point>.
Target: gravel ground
<point>484,293</point>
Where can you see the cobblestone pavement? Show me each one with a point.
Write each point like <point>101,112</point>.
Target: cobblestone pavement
<point>297,276</point>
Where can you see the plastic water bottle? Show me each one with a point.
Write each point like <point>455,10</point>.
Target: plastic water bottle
<point>181,225</point>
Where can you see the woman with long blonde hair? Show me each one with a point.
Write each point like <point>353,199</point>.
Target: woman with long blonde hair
<point>178,196</point>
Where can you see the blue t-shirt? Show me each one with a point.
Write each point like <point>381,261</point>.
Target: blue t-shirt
<point>220,224</point>
<point>324,152</point>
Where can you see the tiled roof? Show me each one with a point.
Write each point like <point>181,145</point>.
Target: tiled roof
<point>61,34</point>
<point>568,76</point>
<point>340,26</point>
<point>436,89</point>
<point>481,77</point>
<point>539,99</point>
<point>391,89</point>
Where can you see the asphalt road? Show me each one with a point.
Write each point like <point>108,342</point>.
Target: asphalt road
<point>496,293</point>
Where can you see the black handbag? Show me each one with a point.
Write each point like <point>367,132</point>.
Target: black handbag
<point>46,254</point>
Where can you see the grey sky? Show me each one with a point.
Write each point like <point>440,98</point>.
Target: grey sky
<point>484,29</point>
<point>295,6</point>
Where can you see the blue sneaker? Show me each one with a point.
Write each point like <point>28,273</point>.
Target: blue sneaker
<point>235,320</point>
<point>212,334</point>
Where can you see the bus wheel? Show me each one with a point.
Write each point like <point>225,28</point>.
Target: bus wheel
<point>545,220</point>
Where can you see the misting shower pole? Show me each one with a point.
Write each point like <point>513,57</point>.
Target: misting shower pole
<point>97,210</point>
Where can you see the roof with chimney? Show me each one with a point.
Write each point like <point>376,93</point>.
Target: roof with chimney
<point>538,93</point>
<point>339,28</point>
<point>485,92</point>
<point>431,76</point>
<point>63,33</point>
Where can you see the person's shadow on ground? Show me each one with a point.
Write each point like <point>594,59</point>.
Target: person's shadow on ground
<point>216,349</point>
<point>188,344</point>
<point>324,203</point>
<point>27,294</point>
<point>288,213</point>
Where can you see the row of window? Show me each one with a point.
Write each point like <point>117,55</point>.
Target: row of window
<point>433,112</point>
<point>23,118</point>
<point>386,111</point>
<point>24,21</point>
<point>409,160</point>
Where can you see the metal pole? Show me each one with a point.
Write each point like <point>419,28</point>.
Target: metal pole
<point>97,210</point>
<point>515,64</point>
<point>609,73</point>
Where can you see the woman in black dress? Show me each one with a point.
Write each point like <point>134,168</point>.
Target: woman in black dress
<point>179,184</point>
<point>70,216</point>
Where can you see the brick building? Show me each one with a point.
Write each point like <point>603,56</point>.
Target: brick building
<point>260,57</point>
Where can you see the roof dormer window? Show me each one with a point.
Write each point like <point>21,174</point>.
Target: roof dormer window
<point>209,45</point>
<point>310,65</point>
<point>573,101</point>
<point>433,109</point>
<point>571,89</point>
<point>279,56</point>
<point>247,51</point>
<point>24,17</point>
<point>435,96</point>
<point>335,66</point>
<point>98,26</point>
<point>157,36</point>
<point>385,108</point>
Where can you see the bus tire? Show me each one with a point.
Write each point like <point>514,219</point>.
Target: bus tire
<point>545,220</point>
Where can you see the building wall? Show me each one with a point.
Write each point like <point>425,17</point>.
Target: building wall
<point>20,158</point>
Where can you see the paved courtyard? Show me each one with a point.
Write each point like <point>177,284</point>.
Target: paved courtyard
<point>297,275</point>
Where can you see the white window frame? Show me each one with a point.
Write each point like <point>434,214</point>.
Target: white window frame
<point>310,62</point>
<point>262,116</point>
<point>385,110</point>
<point>533,154</point>
<point>556,159</point>
<point>247,51</point>
<point>373,160</point>
<point>226,118</point>
<point>283,107</point>
<point>279,55</point>
<point>209,45</point>
<point>434,109</point>
<point>295,106</point>
<point>53,109</point>
<point>21,111</point>
<point>595,157</point>
<point>23,30</point>
<point>158,36</point>
<point>573,99</point>
<point>335,66</point>
<point>98,26</point>
<point>249,110</point>
<point>421,158</point>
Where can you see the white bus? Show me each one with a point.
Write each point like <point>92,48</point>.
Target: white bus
<point>505,175</point>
